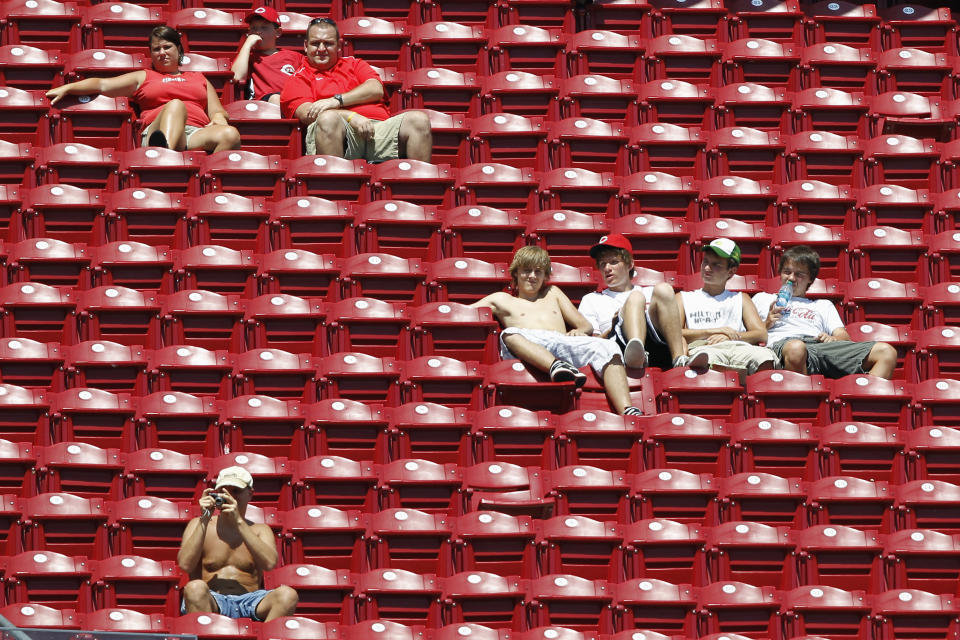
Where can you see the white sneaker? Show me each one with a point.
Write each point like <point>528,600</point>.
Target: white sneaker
<point>634,355</point>
<point>699,361</point>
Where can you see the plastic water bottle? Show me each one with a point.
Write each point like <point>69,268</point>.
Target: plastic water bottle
<point>784,295</point>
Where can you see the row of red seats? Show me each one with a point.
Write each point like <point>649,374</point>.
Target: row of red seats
<point>509,603</point>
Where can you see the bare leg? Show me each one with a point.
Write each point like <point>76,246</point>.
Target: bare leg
<point>794,354</point>
<point>170,122</point>
<point>215,137</point>
<point>881,361</point>
<point>666,318</point>
<point>280,602</point>
<point>634,318</point>
<point>529,352</point>
<point>415,137</point>
<point>616,385</point>
<point>274,99</point>
<point>197,598</point>
<point>329,134</point>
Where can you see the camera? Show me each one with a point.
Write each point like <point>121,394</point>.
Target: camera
<point>218,500</point>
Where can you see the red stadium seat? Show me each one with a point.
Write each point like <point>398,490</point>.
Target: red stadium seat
<point>871,399</point>
<point>31,615</point>
<point>369,325</point>
<point>629,16</point>
<point>120,29</point>
<point>941,304</point>
<point>683,57</point>
<point>509,138</point>
<point>341,427</point>
<point>686,442</point>
<point>163,473</point>
<point>208,31</point>
<point>737,607</point>
<point>828,610</point>
<point>60,522</point>
<point>762,61</point>
<point>887,252</point>
<point>910,114</point>
<point>745,152</point>
<point>312,224</point>
<point>398,595</point>
<point>934,402</point>
<point>598,97</point>
<point>161,169</point>
<point>911,612</point>
<point>901,160</point>
<point>17,474</point>
<point>779,21</point>
<point>79,165</point>
<point>98,63</point>
<point>527,48</point>
<point>882,300</point>
<point>751,552</point>
<point>274,476</point>
<point>862,450</point>
<point>481,232</point>
<point>774,446</point>
<point>202,319</point>
<point>217,269</point>
<point>399,228</point>
<point>490,184</point>
<point>264,130</point>
<point>655,606</point>
<point>922,559</point>
<point>263,425</point>
<point>48,261</point>
<point>325,535</point>
<point>449,133</point>
<point>148,584</point>
<point>336,482</point>
<point>608,53</point>
<point>714,394</point>
<point>520,93</point>
<point>737,197</point>
<point>443,380</point>
<point>660,549</point>
<point>92,416</point>
<point>763,498</point>
<point>29,68</point>
<point>510,382</point>
<point>578,189</point>
<point>80,469</point>
<point>938,352</point>
<point>844,22</point>
<point>329,177</point>
<point>38,311</point>
<point>64,212</point>
<point>361,377</point>
<point>229,219</point>
<point>243,172</point>
<point>588,491</point>
<point>821,157</point>
<point>514,435</point>
<point>16,163</point>
<point>449,45</point>
<point>212,626</point>
<point>432,431</point>
<point>480,598</point>
<point>657,196</point>
<point>135,265</point>
<point>383,276</point>
<point>688,498</point>
<point>453,329</point>
<point>178,420</point>
<point>456,92</point>
<point>188,369</point>
<point>299,272</point>
<point>915,70</point>
<point>913,25</point>
<point>831,111</point>
<point>486,540</point>
<point>408,539</point>
<point>899,337</point>
<point>851,501</point>
<point>829,241</point>
<point>788,395</point>
<point>124,620</point>
<point>836,65</point>
<point>752,105</point>
<point>567,600</point>
<point>101,121</point>
<point>565,234</point>
<point>414,181</point>
<point>676,150</point>
<point>48,578</point>
<point>24,115</point>
<point>379,42</point>
<point>601,439</point>
<point>510,488</point>
<point>274,372</point>
<point>31,364</point>
<point>581,546</point>
<point>384,629</point>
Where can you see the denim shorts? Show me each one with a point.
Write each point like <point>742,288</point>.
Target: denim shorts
<point>239,606</point>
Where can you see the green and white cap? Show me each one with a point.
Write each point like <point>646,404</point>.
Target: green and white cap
<point>725,248</point>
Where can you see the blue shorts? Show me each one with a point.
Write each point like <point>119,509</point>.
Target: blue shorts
<point>241,606</point>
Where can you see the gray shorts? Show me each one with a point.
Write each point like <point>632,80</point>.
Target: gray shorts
<point>384,146</point>
<point>188,130</point>
<point>831,359</point>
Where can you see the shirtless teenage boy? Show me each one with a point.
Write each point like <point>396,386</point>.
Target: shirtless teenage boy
<point>225,556</point>
<point>536,322</point>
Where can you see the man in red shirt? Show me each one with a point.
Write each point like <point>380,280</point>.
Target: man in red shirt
<point>340,99</point>
<point>260,67</point>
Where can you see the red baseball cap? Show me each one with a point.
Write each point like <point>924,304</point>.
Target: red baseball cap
<point>267,13</point>
<point>613,240</point>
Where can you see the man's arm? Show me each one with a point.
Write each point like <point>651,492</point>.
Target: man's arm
<point>580,326</point>
<point>257,537</point>
<point>589,311</point>
<point>241,63</point>
<point>756,330</point>
<point>366,92</point>
<point>490,301</point>
<point>712,335</point>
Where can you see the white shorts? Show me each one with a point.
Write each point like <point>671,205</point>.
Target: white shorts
<point>577,350</point>
<point>735,354</point>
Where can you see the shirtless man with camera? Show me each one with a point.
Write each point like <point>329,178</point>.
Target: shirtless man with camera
<point>225,556</point>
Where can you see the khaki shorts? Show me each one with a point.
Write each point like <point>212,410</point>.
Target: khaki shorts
<point>734,354</point>
<point>384,146</point>
<point>188,130</point>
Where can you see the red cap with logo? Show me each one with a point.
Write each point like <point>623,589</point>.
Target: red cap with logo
<point>613,240</point>
<point>267,13</point>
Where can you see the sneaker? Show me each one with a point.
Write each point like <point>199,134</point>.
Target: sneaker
<point>157,139</point>
<point>634,355</point>
<point>699,361</point>
<point>562,371</point>
<point>632,411</point>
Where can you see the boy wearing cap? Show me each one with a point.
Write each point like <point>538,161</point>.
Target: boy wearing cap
<point>723,324</point>
<point>225,556</point>
<point>628,314</point>
<point>808,335</point>
<point>260,67</point>
<point>536,321</point>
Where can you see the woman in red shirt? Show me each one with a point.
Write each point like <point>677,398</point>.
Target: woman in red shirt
<point>179,109</point>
